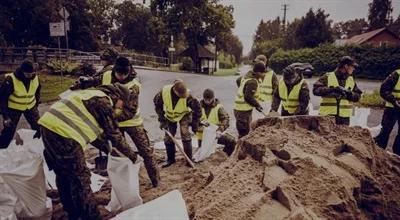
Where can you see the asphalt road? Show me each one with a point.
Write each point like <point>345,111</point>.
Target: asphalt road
<point>224,87</point>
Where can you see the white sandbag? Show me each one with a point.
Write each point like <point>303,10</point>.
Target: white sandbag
<point>374,131</point>
<point>124,178</point>
<point>8,201</point>
<point>360,117</point>
<point>168,206</point>
<point>23,172</point>
<point>208,145</point>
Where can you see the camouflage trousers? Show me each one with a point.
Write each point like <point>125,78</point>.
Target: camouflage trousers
<point>186,136</point>
<point>243,120</point>
<point>7,134</point>
<point>141,139</point>
<point>228,141</point>
<point>66,157</point>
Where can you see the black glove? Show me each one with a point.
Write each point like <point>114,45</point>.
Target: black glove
<point>259,108</point>
<point>349,94</point>
<point>37,134</point>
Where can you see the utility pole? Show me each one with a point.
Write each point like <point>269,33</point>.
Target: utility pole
<point>285,8</point>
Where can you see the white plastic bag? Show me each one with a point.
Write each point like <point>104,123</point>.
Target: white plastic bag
<point>360,117</point>
<point>124,178</point>
<point>7,202</point>
<point>22,171</point>
<point>168,206</point>
<point>208,145</point>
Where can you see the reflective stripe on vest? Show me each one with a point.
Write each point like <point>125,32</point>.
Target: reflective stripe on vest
<point>171,113</point>
<point>137,119</point>
<point>396,91</point>
<point>240,103</point>
<point>266,87</point>
<point>290,102</point>
<point>212,119</point>
<point>70,119</point>
<point>329,104</point>
<point>21,99</point>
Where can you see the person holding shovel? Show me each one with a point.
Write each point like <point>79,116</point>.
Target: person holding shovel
<point>173,105</point>
<point>124,74</point>
<point>339,91</point>
<point>247,98</point>
<point>212,112</point>
<point>293,92</point>
<point>68,127</point>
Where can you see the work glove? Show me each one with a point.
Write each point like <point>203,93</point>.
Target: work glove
<point>340,90</point>
<point>349,94</point>
<point>37,134</point>
<point>7,122</point>
<point>259,108</point>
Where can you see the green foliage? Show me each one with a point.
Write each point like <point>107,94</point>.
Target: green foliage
<point>379,14</point>
<point>230,44</point>
<point>372,99</point>
<point>187,63</point>
<point>52,86</point>
<point>102,14</point>
<point>226,72</point>
<point>226,61</point>
<point>265,47</point>
<point>375,62</point>
<point>269,30</point>
<point>349,28</point>
<point>55,67</point>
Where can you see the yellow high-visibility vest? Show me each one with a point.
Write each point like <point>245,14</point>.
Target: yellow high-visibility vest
<point>329,104</point>
<point>290,101</point>
<point>70,119</point>
<point>240,103</point>
<point>266,87</point>
<point>137,119</point>
<point>21,99</point>
<point>396,91</point>
<point>212,119</point>
<point>171,113</point>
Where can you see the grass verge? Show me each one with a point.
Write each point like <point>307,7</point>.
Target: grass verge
<point>226,72</point>
<point>372,99</point>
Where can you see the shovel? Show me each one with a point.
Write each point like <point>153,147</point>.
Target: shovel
<point>180,148</point>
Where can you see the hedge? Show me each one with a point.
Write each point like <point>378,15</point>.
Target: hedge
<point>375,62</point>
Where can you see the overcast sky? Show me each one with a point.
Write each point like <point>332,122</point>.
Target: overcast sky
<point>248,13</point>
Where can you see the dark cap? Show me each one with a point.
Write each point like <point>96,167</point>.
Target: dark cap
<point>27,66</point>
<point>122,65</point>
<point>109,54</point>
<point>261,57</point>
<point>208,94</point>
<point>259,67</point>
<point>347,60</point>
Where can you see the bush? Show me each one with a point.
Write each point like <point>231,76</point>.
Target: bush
<point>226,61</point>
<point>187,63</point>
<point>372,99</point>
<point>67,68</point>
<point>375,62</point>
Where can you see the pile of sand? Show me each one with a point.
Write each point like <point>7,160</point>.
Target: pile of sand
<point>289,168</point>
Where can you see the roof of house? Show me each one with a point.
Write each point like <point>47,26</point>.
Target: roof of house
<point>202,52</point>
<point>362,38</point>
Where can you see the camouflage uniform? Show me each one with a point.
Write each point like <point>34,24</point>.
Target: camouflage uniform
<point>321,89</point>
<point>304,99</point>
<point>31,115</point>
<point>138,133</point>
<point>191,119</point>
<point>390,115</point>
<point>244,118</point>
<point>66,157</point>
<point>227,140</point>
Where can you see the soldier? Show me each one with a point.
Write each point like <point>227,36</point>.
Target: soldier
<point>390,92</point>
<point>20,94</point>
<point>293,92</point>
<point>67,128</point>
<point>269,82</point>
<point>173,105</point>
<point>122,73</point>
<point>338,90</point>
<point>212,112</point>
<point>247,98</point>
<point>107,58</point>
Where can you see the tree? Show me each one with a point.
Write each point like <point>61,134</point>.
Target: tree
<point>395,26</point>
<point>101,15</point>
<point>230,44</point>
<point>290,40</point>
<point>379,13</point>
<point>350,28</point>
<point>269,30</point>
<point>314,29</point>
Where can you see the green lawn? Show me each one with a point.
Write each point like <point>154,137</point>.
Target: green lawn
<point>372,99</point>
<point>226,72</point>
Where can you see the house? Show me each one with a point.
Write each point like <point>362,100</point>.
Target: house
<point>379,37</point>
<point>203,58</point>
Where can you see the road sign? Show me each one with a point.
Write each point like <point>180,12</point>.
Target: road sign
<point>57,29</point>
<point>64,13</point>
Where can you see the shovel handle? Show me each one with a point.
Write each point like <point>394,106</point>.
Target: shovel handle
<point>180,148</point>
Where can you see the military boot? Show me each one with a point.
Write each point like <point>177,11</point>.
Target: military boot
<point>170,155</point>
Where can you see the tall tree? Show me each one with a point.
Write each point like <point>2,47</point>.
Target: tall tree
<point>314,29</point>
<point>269,30</point>
<point>350,28</point>
<point>230,44</point>
<point>290,40</point>
<point>379,13</point>
<point>101,14</point>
